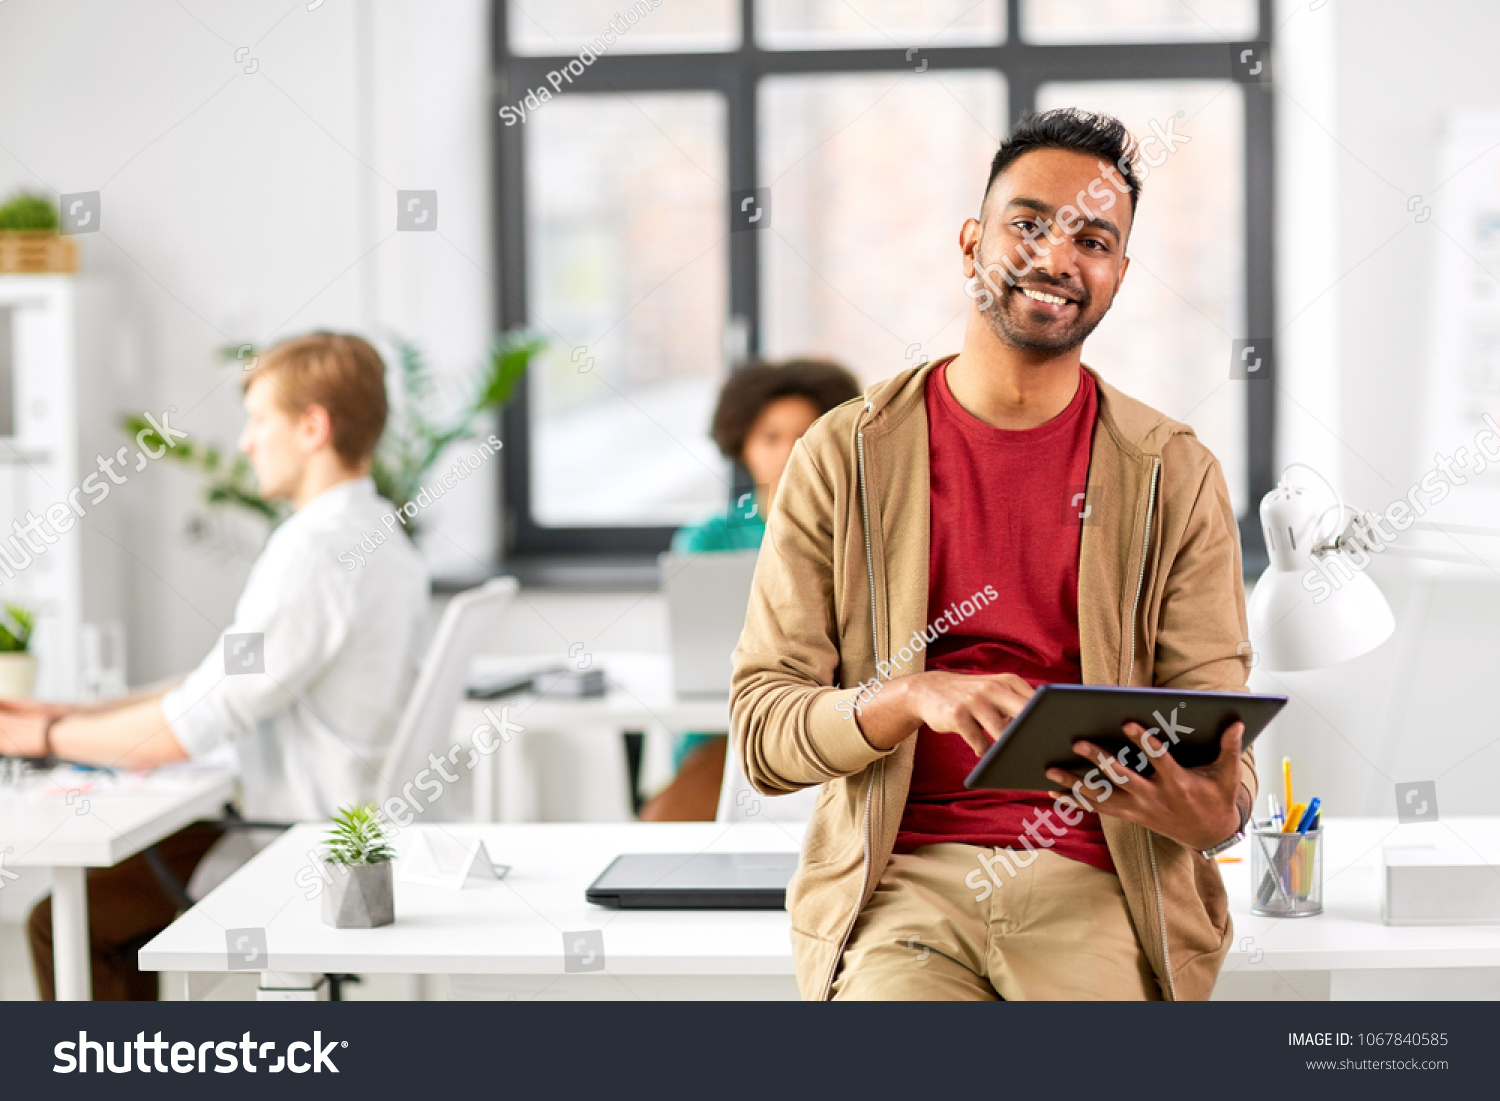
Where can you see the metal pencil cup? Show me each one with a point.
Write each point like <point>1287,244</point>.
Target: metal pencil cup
<point>1286,872</point>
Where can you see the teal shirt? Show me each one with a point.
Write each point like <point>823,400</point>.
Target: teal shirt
<point>729,531</point>
<point>720,533</point>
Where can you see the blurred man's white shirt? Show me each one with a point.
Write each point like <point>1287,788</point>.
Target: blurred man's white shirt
<point>341,650</point>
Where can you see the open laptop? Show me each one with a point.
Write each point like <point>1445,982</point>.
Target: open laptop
<point>706,599</point>
<point>695,881</point>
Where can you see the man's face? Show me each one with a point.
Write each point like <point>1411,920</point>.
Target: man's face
<point>1052,248</point>
<point>274,440</point>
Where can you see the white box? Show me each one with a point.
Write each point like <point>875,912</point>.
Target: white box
<point>1432,886</point>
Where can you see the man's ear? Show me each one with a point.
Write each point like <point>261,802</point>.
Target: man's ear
<point>316,427</point>
<point>968,244</point>
<point>1120,279</point>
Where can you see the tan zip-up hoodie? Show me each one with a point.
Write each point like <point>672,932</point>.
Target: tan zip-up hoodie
<point>842,583</point>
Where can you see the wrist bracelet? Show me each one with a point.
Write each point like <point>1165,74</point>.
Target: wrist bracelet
<point>47,735</point>
<point>1235,838</point>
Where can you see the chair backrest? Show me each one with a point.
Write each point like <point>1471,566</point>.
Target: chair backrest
<point>427,720</point>
<point>739,802</point>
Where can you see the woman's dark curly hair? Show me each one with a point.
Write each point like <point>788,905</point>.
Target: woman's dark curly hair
<point>750,389</point>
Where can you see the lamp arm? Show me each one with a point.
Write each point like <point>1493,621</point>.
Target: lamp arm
<point>1357,534</point>
<point>1442,556</point>
<point>1453,529</point>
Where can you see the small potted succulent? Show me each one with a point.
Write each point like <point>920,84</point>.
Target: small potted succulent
<point>29,238</point>
<point>17,665</point>
<point>358,865</point>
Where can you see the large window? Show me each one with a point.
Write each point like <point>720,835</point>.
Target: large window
<point>863,128</point>
<point>627,272</point>
<point>870,175</point>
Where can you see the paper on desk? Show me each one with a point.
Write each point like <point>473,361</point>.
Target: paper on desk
<point>438,859</point>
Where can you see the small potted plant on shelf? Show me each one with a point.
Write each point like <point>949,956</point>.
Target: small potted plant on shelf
<point>17,665</point>
<point>358,860</point>
<point>29,240</point>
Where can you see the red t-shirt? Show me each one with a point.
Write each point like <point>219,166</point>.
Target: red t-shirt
<point>1004,524</point>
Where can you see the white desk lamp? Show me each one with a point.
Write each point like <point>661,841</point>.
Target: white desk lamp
<point>1298,622</point>
<point>1294,628</point>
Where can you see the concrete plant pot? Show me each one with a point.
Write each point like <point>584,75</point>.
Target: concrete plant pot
<point>17,675</point>
<point>360,897</point>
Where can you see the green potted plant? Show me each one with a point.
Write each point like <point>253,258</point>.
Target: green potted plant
<point>417,431</point>
<point>357,861</point>
<point>17,665</point>
<point>29,238</point>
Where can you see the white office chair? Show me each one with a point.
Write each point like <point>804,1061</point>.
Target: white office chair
<point>426,724</point>
<point>739,802</point>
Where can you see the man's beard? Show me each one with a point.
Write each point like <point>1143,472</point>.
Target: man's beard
<point>1005,321</point>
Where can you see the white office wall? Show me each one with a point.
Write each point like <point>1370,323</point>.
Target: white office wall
<point>248,206</point>
<point>1364,93</point>
<point>1307,278</point>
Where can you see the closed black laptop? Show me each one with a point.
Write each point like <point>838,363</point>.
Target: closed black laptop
<point>695,881</point>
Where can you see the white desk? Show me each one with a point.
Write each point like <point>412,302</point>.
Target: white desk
<point>1349,935</point>
<point>508,935</point>
<point>511,932</point>
<point>108,820</point>
<point>638,696</point>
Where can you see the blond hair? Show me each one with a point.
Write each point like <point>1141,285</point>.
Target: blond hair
<point>339,371</point>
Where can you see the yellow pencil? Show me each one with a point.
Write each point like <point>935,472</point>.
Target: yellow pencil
<point>1292,818</point>
<point>1286,782</point>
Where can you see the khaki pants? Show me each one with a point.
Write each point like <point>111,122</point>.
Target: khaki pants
<point>1058,930</point>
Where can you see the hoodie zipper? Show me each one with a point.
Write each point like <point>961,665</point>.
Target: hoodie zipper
<point>864,507</point>
<point>1161,916</point>
<point>1140,580</point>
<point>864,883</point>
<point>1140,577</point>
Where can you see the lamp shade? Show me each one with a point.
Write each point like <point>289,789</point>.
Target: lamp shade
<point>1309,611</point>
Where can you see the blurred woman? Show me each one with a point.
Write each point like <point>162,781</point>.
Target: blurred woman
<point>763,411</point>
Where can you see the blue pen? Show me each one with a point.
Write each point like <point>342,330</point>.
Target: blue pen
<point>1309,815</point>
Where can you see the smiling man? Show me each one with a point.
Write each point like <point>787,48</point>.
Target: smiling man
<point>1101,537</point>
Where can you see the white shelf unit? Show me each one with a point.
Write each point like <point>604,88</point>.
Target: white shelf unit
<point>56,405</point>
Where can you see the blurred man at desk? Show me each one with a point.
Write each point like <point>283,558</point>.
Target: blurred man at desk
<point>305,684</point>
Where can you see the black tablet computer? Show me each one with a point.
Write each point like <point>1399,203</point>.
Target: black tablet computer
<point>1042,735</point>
<point>695,881</point>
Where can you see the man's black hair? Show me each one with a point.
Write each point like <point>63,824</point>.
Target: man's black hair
<point>1097,135</point>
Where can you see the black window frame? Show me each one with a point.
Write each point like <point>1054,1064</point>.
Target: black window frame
<point>736,75</point>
